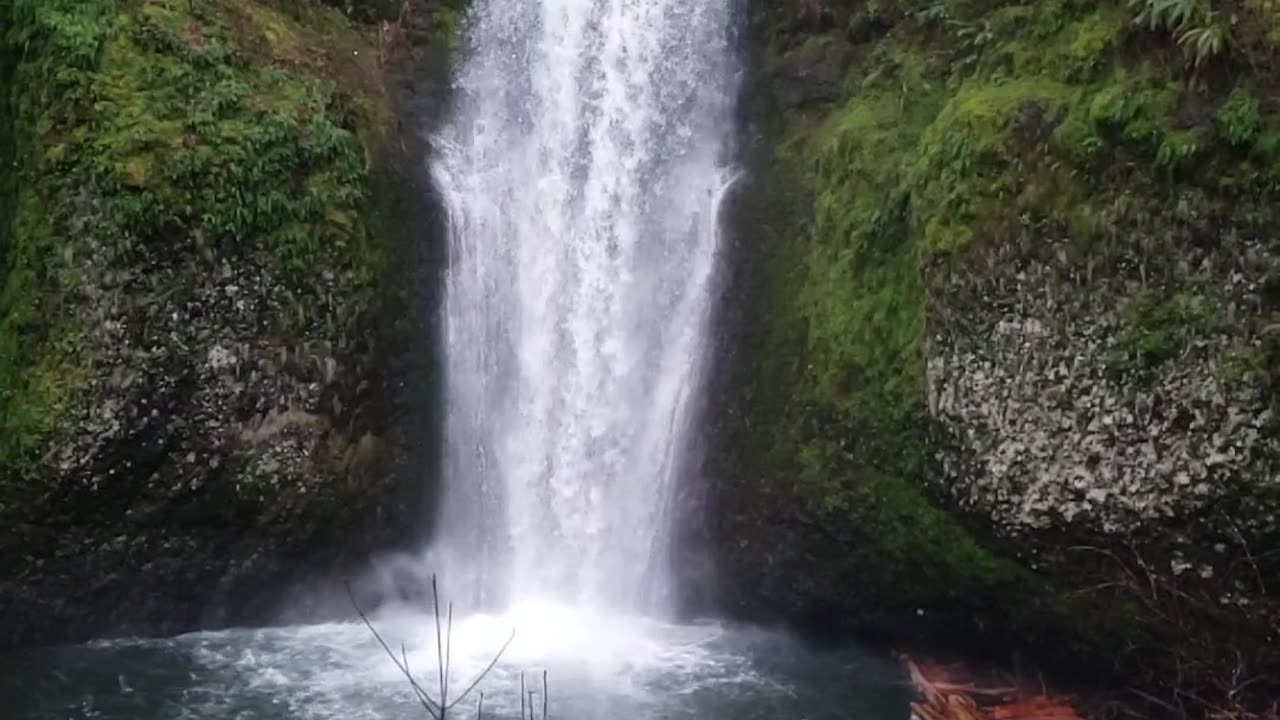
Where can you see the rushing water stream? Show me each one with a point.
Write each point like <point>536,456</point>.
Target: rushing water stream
<point>583,168</point>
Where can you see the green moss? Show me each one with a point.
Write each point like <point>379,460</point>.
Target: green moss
<point>1156,327</point>
<point>192,139</point>
<point>447,23</point>
<point>962,170</point>
<point>1134,110</point>
<point>1091,42</point>
<point>860,300</point>
<point>225,125</point>
<point>34,379</point>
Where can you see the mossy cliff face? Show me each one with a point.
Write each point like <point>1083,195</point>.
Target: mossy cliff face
<point>196,385</point>
<point>1005,313</point>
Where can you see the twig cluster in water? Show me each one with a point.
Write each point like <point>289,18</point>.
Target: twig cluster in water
<point>439,708</point>
<point>530,694</point>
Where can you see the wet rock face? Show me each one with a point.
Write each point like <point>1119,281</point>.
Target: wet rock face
<point>186,355</point>
<point>812,78</point>
<point>221,447</point>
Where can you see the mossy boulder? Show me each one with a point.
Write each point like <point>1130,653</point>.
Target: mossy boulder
<point>1002,316</point>
<point>203,310</point>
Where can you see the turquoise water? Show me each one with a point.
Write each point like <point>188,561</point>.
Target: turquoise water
<point>597,666</point>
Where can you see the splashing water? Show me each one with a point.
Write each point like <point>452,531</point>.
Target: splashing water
<point>600,667</point>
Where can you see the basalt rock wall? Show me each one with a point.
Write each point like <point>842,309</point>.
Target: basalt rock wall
<point>1000,334</point>
<point>215,324</point>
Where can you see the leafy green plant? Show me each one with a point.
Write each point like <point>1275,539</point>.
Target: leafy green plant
<point>974,39</point>
<point>1204,42</point>
<point>1171,15</point>
<point>1195,27</point>
<point>1155,329</point>
<point>1178,147</point>
<point>1239,119</point>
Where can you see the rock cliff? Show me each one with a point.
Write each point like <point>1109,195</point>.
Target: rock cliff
<point>211,324</point>
<point>1002,333</point>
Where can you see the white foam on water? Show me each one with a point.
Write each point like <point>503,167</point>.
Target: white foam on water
<point>598,663</point>
<point>601,664</point>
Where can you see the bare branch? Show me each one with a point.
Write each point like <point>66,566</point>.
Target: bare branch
<point>448,650</point>
<point>440,665</point>
<point>486,671</point>
<point>1253,563</point>
<point>432,708</point>
<point>438,709</point>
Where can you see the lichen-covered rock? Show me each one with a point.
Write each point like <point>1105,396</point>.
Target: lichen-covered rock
<point>1053,417</point>
<point>205,389</point>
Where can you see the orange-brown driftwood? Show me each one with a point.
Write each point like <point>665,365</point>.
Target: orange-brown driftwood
<point>947,698</point>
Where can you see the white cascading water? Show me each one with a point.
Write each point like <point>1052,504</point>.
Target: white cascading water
<point>582,169</point>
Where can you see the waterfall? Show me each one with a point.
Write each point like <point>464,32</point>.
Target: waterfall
<point>582,167</point>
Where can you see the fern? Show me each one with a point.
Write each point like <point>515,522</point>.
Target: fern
<point>1202,43</point>
<point>1194,26</point>
<point>1170,15</point>
<point>1239,119</point>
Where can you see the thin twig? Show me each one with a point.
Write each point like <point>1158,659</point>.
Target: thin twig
<point>486,671</point>
<point>404,655</point>
<point>432,708</point>
<point>435,596</point>
<point>448,650</point>
<point>1257,574</point>
<point>1158,701</point>
<point>444,648</point>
